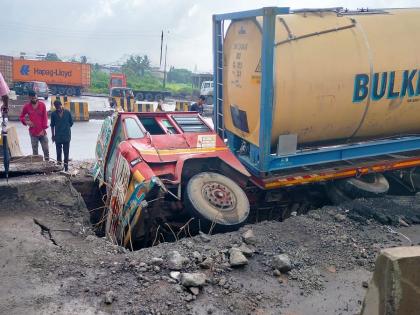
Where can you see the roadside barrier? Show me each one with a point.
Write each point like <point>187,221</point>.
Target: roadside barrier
<point>63,99</point>
<point>143,107</point>
<point>126,104</point>
<point>182,106</point>
<point>79,110</point>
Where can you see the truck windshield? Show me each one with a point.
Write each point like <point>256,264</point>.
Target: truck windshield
<point>116,82</point>
<point>152,126</point>
<point>133,129</point>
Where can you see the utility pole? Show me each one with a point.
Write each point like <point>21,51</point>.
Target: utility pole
<point>161,46</point>
<point>164,68</point>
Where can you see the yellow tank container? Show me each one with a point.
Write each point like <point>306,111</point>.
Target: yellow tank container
<point>336,76</point>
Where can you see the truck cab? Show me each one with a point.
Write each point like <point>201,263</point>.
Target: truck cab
<point>167,166</point>
<point>117,80</point>
<point>207,91</point>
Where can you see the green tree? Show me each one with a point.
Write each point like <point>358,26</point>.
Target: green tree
<point>179,75</point>
<point>137,65</point>
<point>52,57</point>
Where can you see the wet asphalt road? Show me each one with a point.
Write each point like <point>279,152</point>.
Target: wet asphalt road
<point>82,146</point>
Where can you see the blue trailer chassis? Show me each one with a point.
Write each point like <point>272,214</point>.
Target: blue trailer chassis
<point>259,160</point>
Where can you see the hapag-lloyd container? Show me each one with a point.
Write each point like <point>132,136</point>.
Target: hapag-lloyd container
<point>336,76</point>
<point>52,72</point>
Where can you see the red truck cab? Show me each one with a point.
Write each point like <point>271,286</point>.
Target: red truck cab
<point>158,167</point>
<point>117,80</point>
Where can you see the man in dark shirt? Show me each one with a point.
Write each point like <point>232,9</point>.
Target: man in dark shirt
<point>199,106</point>
<point>61,122</point>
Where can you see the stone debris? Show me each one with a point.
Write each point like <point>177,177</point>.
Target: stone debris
<point>207,263</point>
<point>204,237</point>
<point>282,263</point>
<point>339,217</point>
<point>176,261</point>
<point>109,297</point>
<point>196,279</point>
<point>249,237</point>
<point>156,261</point>
<point>197,257</point>
<point>175,275</point>
<point>247,251</point>
<point>194,290</point>
<point>236,258</point>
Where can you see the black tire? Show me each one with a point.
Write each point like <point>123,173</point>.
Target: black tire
<point>209,100</point>
<point>71,91</point>
<point>335,195</point>
<point>45,97</point>
<point>61,90</point>
<point>367,186</point>
<point>149,97</point>
<point>140,96</point>
<point>213,197</point>
<point>158,97</point>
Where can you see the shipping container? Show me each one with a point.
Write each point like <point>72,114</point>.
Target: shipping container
<point>6,66</point>
<point>337,79</point>
<point>65,78</point>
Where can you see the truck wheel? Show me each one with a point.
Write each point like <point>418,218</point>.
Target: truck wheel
<point>149,97</point>
<point>209,100</point>
<point>61,90</point>
<point>71,91</point>
<point>367,186</point>
<point>158,97</point>
<point>140,96</point>
<point>216,198</point>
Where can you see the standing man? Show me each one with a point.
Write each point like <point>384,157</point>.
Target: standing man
<point>34,115</point>
<point>61,122</point>
<point>199,106</point>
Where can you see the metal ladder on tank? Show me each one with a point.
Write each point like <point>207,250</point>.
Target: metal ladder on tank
<point>218,119</point>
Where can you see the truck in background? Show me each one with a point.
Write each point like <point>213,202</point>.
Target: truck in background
<point>120,80</point>
<point>64,78</point>
<point>117,80</point>
<point>207,91</point>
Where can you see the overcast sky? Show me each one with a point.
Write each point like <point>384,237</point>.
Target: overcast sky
<point>107,31</point>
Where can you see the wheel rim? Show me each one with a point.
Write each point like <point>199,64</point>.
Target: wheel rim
<point>219,196</point>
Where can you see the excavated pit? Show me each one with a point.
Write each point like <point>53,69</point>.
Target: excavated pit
<point>79,198</point>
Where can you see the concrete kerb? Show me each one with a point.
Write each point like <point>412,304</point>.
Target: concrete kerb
<point>395,285</point>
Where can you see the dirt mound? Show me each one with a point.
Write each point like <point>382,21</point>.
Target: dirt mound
<point>389,210</point>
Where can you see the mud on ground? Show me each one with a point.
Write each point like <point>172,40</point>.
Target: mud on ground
<point>52,263</point>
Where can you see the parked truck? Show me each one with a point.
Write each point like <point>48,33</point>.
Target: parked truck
<point>120,80</point>
<point>313,97</point>
<point>206,90</point>
<point>64,78</point>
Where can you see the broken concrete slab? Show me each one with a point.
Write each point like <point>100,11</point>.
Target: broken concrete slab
<point>395,286</point>
<point>27,168</point>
